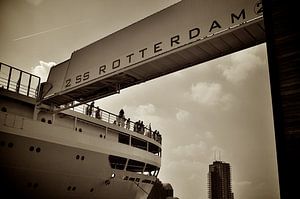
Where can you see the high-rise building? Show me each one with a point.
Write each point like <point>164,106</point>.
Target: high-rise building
<point>219,181</point>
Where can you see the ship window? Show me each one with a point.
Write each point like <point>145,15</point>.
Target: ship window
<point>117,162</point>
<point>154,149</point>
<point>43,120</point>
<point>151,170</point>
<point>146,181</point>
<point>135,166</point>
<point>138,143</point>
<point>4,109</point>
<point>49,122</point>
<point>131,179</point>
<point>124,138</point>
<point>92,189</point>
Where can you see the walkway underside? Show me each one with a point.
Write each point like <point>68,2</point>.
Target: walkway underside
<point>220,44</point>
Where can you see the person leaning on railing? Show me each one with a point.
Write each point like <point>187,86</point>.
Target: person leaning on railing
<point>97,113</point>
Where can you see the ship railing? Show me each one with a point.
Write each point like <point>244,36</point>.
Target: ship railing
<point>121,122</point>
<point>19,81</point>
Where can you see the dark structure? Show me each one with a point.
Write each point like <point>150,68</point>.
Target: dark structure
<point>219,181</point>
<point>283,48</point>
<point>161,191</point>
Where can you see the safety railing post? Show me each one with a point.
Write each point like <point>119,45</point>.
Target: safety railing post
<point>29,84</point>
<point>9,76</point>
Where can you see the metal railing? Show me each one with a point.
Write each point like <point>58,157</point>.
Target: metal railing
<point>19,81</point>
<point>122,122</point>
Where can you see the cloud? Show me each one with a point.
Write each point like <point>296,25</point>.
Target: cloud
<point>146,109</point>
<point>241,65</point>
<point>206,93</point>
<point>185,174</point>
<point>209,135</point>
<point>34,2</point>
<point>210,94</point>
<point>243,183</point>
<point>146,113</point>
<point>43,69</point>
<point>182,115</point>
<point>190,151</point>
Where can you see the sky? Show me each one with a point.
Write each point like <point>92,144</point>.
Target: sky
<point>219,107</point>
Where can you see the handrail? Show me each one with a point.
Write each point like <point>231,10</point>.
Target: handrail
<point>121,122</point>
<point>28,88</point>
<point>7,82</point>
<point>4,64</point>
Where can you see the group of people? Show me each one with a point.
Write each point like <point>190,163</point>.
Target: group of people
<point>89,110</point>
<point>138,126</point>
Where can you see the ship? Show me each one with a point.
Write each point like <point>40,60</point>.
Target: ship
<point>81,152</point>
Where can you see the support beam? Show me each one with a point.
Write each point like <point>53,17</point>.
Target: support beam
<point>282,37</point>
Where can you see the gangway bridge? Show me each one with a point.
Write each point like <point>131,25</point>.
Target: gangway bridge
<point>182,35</point>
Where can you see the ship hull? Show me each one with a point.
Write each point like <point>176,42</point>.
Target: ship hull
<point>38,169</point>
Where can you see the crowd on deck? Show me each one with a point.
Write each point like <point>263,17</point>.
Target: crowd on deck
<point>138,126</point>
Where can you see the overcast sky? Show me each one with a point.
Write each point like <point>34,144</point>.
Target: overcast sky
<point>222,105</point>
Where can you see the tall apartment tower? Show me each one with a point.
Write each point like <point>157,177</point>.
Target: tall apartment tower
<point>219,181</point>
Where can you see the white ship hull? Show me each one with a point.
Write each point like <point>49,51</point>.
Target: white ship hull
<point>55,172</point>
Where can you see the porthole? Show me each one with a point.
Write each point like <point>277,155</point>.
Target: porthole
<point>80,130</point>
<point>92,189</point>
<point>77,157</point>
<point>38,150</point>
<point>74,188</point>
<point>4,109</point>
<point>82,157</point>
<point>10,145</point>
<point>43,120</point>
<point>69,188</point>
<point>31,148</point>
<point>101,136</point>
<point>35,185</point>
<point>49,121</point>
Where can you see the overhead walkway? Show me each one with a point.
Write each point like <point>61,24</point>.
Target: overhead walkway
<point>173,39</point>
<point>219,45</point>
